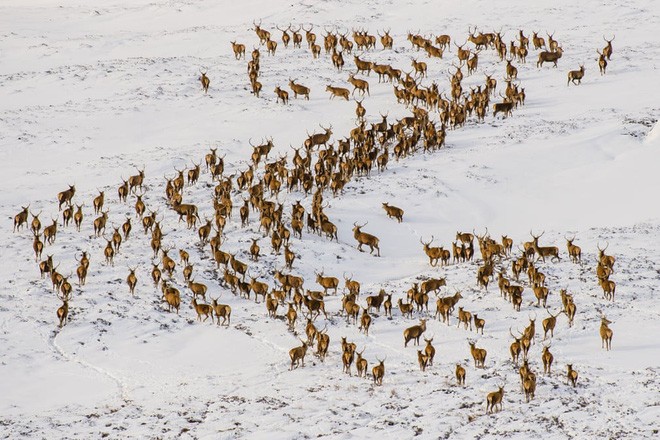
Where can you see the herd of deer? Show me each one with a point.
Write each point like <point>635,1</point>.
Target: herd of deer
<point>323,166</point>
<point>411,92</point>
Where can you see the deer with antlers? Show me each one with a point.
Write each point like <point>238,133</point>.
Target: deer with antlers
<point>318,139</point>
<point>574,251</point>
<point>544,251</point>
<point>378,372</point>
<point>434,253</point>
<point>605,260</point>
<point>607,50</point>
<point>263,34</point>
<point>364,238</point>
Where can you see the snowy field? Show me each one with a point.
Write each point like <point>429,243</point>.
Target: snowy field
<point>91,91</point>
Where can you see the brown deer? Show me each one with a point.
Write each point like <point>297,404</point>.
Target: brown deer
<point>365,238</point>
<point>206,82</point>
<point>575,76</point>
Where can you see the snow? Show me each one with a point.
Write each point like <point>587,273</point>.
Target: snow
<point>91,91</point>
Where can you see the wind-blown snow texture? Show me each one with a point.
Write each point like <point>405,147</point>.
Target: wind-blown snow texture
<point>92,90</point>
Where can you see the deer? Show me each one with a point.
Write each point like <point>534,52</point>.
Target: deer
<point>351,285</point>
<point>327,282</point>
<point>569,306</point>
<point>122,190</point>
<point>340,92</point>
<point>479,323</point>
<point>538,42</point>
<point>549,57</point>
<point>549,324</point>
<point>67,215</point>
<point>515,347</point>
<point>434,253</point>
<point>156,273</point>
<point>136,181</point>
<point>171,296</point>
<point>263,34</point>
<point>299,89</point>
<point>361,364</point>
<point>571,375</point>
<point>291,316</point>
<point>414,332</point>
<point>393,212</point>
<point>131,280</point>
<point>605,333</point>
<point>63,310</point>
<point>547,359</point>
<point>21,218</point>
<point>494,399</point>
<point>78,217</point>
<point>65,196</point>
<point>376,301</point>
<point>271,45</point>
<point>206,82</point>
<point>364,238</point>
<point>168,263</point>
<point>386,40</point>
<point>297,355</point>
<point>323,343</point>
<point>318,139</point>
<point>609,287</point>
<point>281,94</point>
<point>574,251</point>
<point>359,84</point>
<point>347,357</point>
<point>286,38</point>
<point>529,386</point>
<point>365,322</point>
<point>607,50</point>
<point>422,359</point>
<point>202,309</point>
<point>420,67</point>
<point>37,246</point>
<point>406,309</point>
<point>545,251</point>
<point>575,75</point>
<point>505,107</point>
<point>429,350</point>
<point>432,285</point>
<point>378,372</point>
<point>271,305</point>
<point>239,50</point>
<point>360,111</point>
<point>605,260</point>
<point>460,375</point>
<point>478,354</point>
<point>50,232</point>
<point>109,252</point>
<point>465,318</point>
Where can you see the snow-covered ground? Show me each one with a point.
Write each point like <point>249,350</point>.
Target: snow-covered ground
<point>91,91</point>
